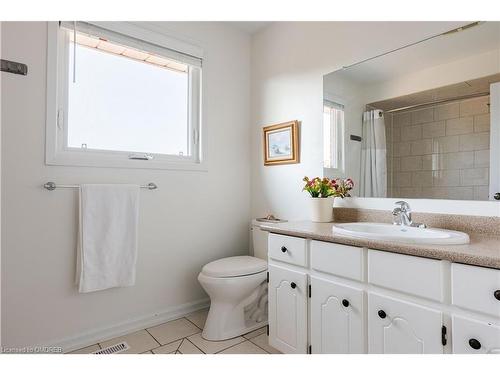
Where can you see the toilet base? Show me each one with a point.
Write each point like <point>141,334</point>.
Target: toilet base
<point>227,319</point>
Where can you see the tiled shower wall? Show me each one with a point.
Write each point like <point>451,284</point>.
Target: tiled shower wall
<point>440,151</point>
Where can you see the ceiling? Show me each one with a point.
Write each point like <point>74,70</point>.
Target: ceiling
<point>478,86</point>
<point>250,27</point>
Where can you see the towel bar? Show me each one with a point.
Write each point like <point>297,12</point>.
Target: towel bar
<point>52,186</point>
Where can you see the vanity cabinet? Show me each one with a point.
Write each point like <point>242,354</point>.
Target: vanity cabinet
<point>400,327</point>
<point>336,317</point>
<point>332,298</point>
<point>287,310</point>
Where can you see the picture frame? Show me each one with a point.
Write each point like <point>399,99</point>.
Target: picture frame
<point>281,143</point>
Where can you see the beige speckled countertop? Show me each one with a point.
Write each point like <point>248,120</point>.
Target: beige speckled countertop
<point>483,250</point>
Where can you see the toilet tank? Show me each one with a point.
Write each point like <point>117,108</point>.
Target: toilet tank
<point>258,241</point>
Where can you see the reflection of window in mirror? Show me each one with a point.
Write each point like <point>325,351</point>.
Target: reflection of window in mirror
<point>333,136</point>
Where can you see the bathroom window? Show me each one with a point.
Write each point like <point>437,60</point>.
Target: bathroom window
<point>333,137</point>
<point>122,101</point>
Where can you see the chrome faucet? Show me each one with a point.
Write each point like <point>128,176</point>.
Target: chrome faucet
<point>402,216</point>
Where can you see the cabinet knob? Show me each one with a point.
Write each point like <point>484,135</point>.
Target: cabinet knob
<point>496,293</point>
<point>496,196</point>
<point>382,314</point>
<point>293,285</point>
<point>284,249</point>
<point>345,303</point>
<point>475,344</point>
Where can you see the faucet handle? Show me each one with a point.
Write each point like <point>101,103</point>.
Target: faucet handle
<point>404,206</point>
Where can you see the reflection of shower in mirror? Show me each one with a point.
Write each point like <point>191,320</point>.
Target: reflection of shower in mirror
<point>429,126</point>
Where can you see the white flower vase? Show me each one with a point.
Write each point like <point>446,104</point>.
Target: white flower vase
<point>322,209</point>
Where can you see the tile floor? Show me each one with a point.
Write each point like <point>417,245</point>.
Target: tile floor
<point>183,336</point>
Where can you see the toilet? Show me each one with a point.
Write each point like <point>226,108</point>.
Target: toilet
<point>237,287</point>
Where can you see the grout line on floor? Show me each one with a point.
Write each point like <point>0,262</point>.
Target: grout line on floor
<point>154,338</point>
<point>156,347</point>
<point>170,342</point>
<point>259,345</point>
<point>178,346</point>
<point>190,321</point>
<point>187,338</point>
<point>241,342</point>
<point>187,317</point>
<point>180,338</point>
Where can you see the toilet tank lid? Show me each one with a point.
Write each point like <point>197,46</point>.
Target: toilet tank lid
<point>234,266</point>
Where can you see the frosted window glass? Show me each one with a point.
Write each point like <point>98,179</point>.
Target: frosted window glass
<point>121,104</point>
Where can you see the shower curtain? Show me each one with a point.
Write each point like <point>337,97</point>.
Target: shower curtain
<point>373,182</point>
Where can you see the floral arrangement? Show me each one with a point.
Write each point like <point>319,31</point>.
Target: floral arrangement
<point>324,187</point>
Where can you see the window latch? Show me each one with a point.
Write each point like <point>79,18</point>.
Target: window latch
<point>195,136</point>
<point>60,119</point>
<point>140,156</point>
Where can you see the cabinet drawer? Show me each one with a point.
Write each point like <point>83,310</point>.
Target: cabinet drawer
<point>288,249</point>
<point>475,337</point>
<point>340,260</point>
<point>414,275</point>
<point>476,288</point>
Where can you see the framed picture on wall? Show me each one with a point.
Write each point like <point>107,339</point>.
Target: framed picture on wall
<point>281,143</point>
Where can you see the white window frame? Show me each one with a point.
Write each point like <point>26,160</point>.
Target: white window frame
<point>56,152</point>
<point>339,136</point>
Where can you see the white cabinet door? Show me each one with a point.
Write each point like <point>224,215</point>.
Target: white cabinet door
<point>396,326</point>
<point>475,337</point>
<point>287,310</point>
<point>336,318</point>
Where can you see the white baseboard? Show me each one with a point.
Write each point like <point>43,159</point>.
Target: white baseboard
<point>123,328</point>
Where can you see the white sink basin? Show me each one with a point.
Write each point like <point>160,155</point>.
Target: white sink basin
<point>397,233</point>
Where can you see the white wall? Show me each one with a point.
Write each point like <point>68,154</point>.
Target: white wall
<point>193,218</point>
<point>288,63</point>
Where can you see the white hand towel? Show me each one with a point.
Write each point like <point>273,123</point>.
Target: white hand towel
<point>107,245</point>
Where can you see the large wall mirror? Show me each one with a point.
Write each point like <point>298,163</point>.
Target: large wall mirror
<point>419,122</point>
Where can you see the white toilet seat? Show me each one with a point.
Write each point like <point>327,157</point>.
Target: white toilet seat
<point>234,267</point>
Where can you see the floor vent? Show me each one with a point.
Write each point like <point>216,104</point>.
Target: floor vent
<point>113,349</point>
